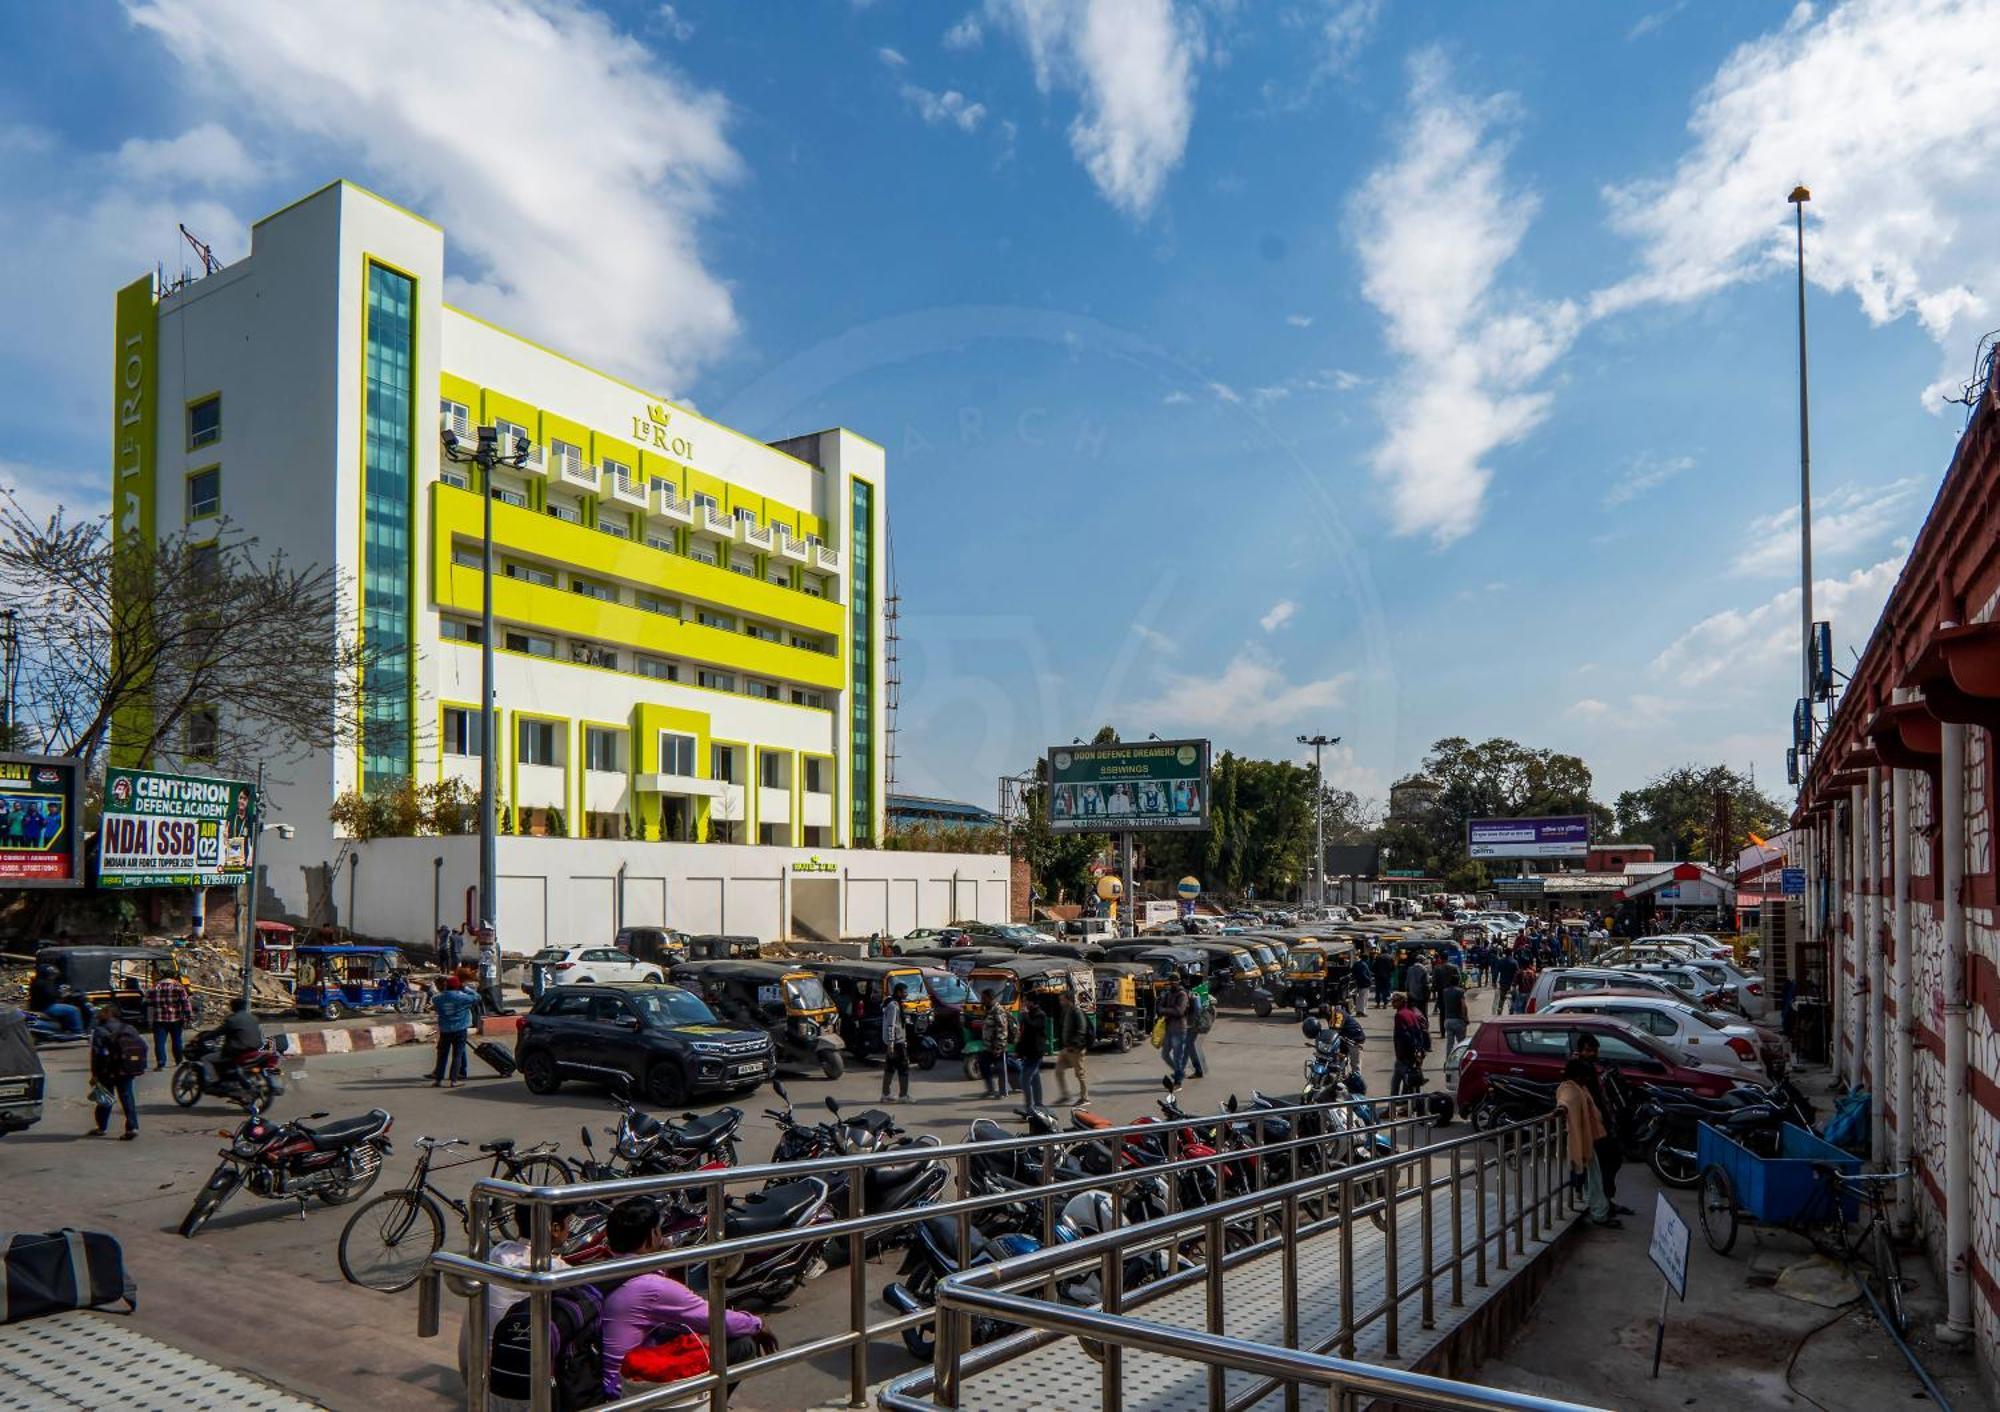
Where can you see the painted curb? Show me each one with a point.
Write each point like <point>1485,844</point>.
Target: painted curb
<point>367,1037</point>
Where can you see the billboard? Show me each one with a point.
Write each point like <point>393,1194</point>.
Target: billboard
<point>41,828</point>
<point>163,830</point>
<point>1562,836</point>
<point>1146,786</point>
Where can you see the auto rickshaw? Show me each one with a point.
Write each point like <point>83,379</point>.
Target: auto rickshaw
<point>949,996</point>
<point>786,1002</point>
<point>1320,973</point>
<point>1124,1002</point>
<point>1235,976</point>
<point>712,947</point>
<point>1269,963</point>
<point>105,975</point>
<point>859,989</point>
<point>333,980</point>
<point>20,1074</point>
<point>1075,950</point>
<point>1166,963</point>
<point>959,960</point>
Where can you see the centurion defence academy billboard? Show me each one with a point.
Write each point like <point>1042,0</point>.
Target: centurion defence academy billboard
<point>1560,836</point>
<point>1152,785</point>
<point>174,830</point>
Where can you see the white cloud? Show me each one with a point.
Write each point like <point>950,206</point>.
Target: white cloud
<point>205,155</point>
<point>1849,521</point>
<point>1299,320</point>
<point>1348,27</point>
<point>1131,63</point>
<point>676,26</point>
<point>574,202</point>
<point>1249,694</point>
<point>1890,111</point>
<point>1646,472</point>
<point>966,34</point>
<point>1344,381</point>
<point>1654,22</point>
<point>950,108</point>
<point>41,491</point>
<point>1225,393</point>
<point>1281,613</point>
<point>1434,227</point>
<point>1176,398</point>
<point>892,57</point>
<point>1588,709</point>
<point>1155,639</point>
<point>1744,647</point>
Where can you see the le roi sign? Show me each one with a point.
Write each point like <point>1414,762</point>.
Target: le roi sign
<point>653,430</point>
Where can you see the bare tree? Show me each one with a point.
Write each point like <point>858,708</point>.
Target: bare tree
<point>204,652</point>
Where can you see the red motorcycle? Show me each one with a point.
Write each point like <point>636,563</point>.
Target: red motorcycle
<point>292,1161</point>
<point>251,1079</point>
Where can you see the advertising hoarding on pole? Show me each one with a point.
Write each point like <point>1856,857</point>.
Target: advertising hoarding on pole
<point>163,830</point>
<point>41,821</point>
<point>1558,836</point>
<point>1145,786</point>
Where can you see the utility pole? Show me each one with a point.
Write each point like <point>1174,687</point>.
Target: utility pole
<point>1798,200</point>
<point>1318,742</point>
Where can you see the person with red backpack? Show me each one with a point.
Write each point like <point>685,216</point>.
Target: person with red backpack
<point>117,1057</point>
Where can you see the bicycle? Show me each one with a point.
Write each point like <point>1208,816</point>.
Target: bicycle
<point>1839,1238</point>
<point>387,1241</point>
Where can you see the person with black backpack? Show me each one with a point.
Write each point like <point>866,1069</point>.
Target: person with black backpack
<point>511,1368</point>
<point>117,1057</point>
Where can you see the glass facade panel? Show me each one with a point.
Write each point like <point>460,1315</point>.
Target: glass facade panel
<point>386,499</point>
<point>861,694</point>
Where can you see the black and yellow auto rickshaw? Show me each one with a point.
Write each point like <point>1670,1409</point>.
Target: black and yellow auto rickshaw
<point>1124,1002</point>
<point>1320,973</point>
<point>1187,964</point>
<point>961,961</point>
<point>103,975</point>
<point>1235,976</point>
<point>786,1002</point>
<point>859,989</point>
<point>1269,962</point>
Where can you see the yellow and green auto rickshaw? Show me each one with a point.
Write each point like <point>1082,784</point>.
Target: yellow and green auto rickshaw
<point>1188,964</point>
<point>1124,1002</point>
<point>859,989</point>
<point>786,1002</point>
<point>1319,974</point>
<point>1235,976</point>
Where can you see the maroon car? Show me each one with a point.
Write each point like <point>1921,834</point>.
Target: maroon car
<point>1537,1046</point>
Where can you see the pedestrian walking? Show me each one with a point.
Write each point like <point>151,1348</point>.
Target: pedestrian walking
<point>1503,981</point>
<point>489,972</point>
<point>1176,1007</point>
<point>996,1039</point>
<point>1382,967</point>
<point>1032,1045</point>
<point>456,1007</point>
<point>1586,1130</point>
<point>1364,981</point>
<point>1524,986</point>
<point>896,1045</point>
<point>1412,1040</point>
<point>1614,1101</point>
<point>1417,982</point>
<point>1451,1014</point>
<point>1074,1032</point>
<point>169,1007</point>
<point>441,951</point>
<point>117,1059</point>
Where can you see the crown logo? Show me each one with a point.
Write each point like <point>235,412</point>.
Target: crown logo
<point>658,412</point>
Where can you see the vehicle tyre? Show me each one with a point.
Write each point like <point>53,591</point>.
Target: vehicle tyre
<point>654,978</point>
<point>1262,1005</point>
<point>209,1199</point>
<point>950,1046</point>
<point>967,1066</point>
<point>1485,1115</point>
<point>1674,1166</point>
<point>266,1091</point>
<point>831,1064</point>
<point>1301,1010</point>
<point>539,1072</point>
<point>543,1169</point>
<point>332,1010</point>
<point>1718,1210</point>
<point>187,1085</point>
<point>1125,1039</point>
<point>386,1241</point>
<point>1890,1271</point>
<point>921,1341</point>
<point>368,1158</point>
<point>666,1085</point>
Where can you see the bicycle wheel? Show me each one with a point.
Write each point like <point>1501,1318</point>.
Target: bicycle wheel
<point>1718,1210</point>
<point>542,1169</point>
<point>1889,1270</point>
<point>386,1241</point>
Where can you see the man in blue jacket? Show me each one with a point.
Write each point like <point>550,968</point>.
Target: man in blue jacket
<point>456,1009</point>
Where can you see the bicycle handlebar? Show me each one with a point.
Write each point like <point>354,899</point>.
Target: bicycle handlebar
<point>439,1142</point>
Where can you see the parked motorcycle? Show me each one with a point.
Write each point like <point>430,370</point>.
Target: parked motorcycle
<point>896,1186</point>
<point>1666,1124</point>
<point>254,1079</point>
<point>933,1254</point>
<point>335,1162</point>
<point>768,1275</point>
<point>645,1146</point>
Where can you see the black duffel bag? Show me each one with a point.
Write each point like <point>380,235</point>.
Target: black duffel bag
<point>47,1272</point>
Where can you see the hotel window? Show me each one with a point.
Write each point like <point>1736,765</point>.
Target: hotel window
<point>701,552</point>
<point>738,566</point>
<point>593,588</point>
<point>653,603</point>
<point>722,763</point>
<point>510,497</point>
<point>466,558</point>
<point>819,775</point>
<point>746,517</point>
<point>704,501</point>
<point>715,681</point>
<point>528,573</point>
<point>768,690</point>
<point>204,422</point>
<point>568,514</point>
<point>775,835</point>
<point>762,632</point>
<point>564,456</point>
<point>462,735</point>
<point>454,476</point>
<point>534,644</point>
<point>458,630</point>
<point>774,769</point>
<point>781,577</point>
<point>510,433</point>
<point>814,699</point>
<point>677,754</point>
<point>618,471</point>
<point>590,654</point>
<point>810,644</point>
<point>540,742</point>
<point>603,750</point>
<point>456,418</point>
<point>615,528</point>
<point>812,585</point>
<point>662,542</point>
<point>204,493</point>
<point>657,667</point>
<point>715,620</point>
<point>818,836</point>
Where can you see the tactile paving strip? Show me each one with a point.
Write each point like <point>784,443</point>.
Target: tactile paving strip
<point>95,1361</point>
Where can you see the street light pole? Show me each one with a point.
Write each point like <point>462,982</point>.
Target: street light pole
<point>486,455</point>
<point>1317,742</point>
<point>1798,200</point>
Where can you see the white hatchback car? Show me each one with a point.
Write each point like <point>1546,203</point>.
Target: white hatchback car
<point>1694,1034</point>
<point>581,965</point>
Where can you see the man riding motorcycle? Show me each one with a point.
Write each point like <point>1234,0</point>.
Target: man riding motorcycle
<point>221,1047</point>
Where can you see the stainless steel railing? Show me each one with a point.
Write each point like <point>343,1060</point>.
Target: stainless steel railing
<point>1531,1153</point>
<point>1404,1122</point>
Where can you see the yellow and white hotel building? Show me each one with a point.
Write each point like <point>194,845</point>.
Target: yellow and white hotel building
<point>688,620</point>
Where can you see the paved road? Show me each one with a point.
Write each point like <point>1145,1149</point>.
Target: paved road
<point>259,1289</point>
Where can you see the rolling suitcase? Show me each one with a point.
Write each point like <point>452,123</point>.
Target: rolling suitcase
<point>495,1055</point>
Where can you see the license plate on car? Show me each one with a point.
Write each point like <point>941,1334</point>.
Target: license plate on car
<point>20,1088</point>
<point>744,1069</point>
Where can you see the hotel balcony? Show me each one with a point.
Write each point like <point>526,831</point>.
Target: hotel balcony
<point>797,550</point>
<point>752,534</point>
<point>716,522</point>
<point>627,491</point>
<point>826,560</point>
<point>573,471</point>
<point>664,504</point>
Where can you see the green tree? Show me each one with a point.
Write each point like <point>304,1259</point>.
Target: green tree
<point>1675,812</point>
<point>1497,778</point>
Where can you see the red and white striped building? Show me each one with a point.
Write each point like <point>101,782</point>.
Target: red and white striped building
<point>1895,822</point>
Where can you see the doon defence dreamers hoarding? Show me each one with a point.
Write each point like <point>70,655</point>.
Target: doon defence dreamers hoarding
<point>41,804</point>
<point>174,831</point>
<point>1147,786</point>
<point>1563,836</point>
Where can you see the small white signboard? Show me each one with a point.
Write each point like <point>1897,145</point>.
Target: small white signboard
<point>1669,1249</point>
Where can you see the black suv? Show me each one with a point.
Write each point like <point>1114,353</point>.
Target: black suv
<point>659,1037</point>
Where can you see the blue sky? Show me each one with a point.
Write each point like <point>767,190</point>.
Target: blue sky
<point>1393,371</point>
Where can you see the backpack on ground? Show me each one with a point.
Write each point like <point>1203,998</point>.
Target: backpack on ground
<point>576,1350</point>
<point>48,1272</point>
<point>130,1047</point>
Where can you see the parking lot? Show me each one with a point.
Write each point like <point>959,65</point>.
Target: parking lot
<point>259,1289</point>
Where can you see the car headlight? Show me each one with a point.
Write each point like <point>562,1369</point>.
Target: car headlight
<point>703,1046</point>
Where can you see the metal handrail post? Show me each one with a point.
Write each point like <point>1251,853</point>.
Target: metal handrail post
<point>1218,1385</point>
<point>1427,1222</point>
<point>1500,1168</point>
<point>1391,1248</point>
<point>1288,1227</point>
<point>1346,1268</point>
<point>964,1164</point>
<point>541,1377</point>
<point>1479,1220</point>
<point>1111,1356</point>
<point>1520,1195</point>
<point>480,1354</point>
<point>718,1311</point>
<point>950,1332</point>
<point>1457,1231</point>
<point>857,1291</point>
<point>1048,1215</point>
